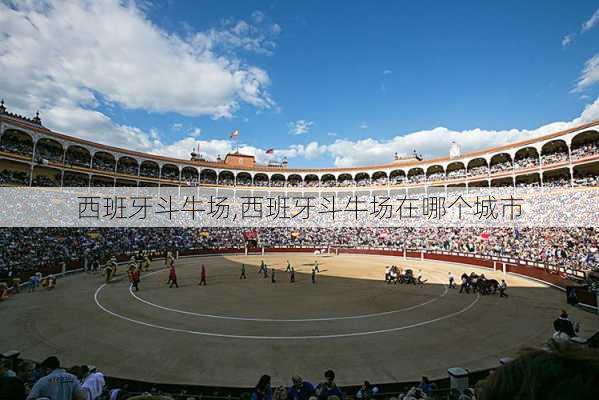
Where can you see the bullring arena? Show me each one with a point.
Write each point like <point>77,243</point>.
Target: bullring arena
<point>221,333</point>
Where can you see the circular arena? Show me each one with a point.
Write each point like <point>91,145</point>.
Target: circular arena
<point>348,319</point>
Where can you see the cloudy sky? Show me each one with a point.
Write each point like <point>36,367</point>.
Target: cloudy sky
<point>323,83</point>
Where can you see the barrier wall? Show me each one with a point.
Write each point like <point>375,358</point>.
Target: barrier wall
<point>525,268</point>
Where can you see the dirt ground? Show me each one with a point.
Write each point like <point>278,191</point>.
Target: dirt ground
<point>234,330</point>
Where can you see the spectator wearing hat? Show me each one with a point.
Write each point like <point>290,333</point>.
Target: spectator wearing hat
<point>57,384</point>
<point>563,325</point>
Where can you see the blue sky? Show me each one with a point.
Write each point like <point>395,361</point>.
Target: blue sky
<point>324,83</point>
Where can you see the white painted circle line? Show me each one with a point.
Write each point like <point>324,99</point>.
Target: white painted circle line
<point>335,336</point>
<point>380,314</point>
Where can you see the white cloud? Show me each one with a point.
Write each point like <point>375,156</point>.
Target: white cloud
<point>334,134</point>
<point>300,126</point>
<point>87,61</point>
<point>387,72</point>
<point>567,39</point>
<point>436,142</point>
<point>589,75</point>
<point>177,126</point>
<point>586,26</point>
<point>344,153</point>
<point>591,22</point>
<point>364,125</point>
<point>195,132</point>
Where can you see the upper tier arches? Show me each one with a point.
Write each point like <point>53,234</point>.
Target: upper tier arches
<point>21,140</point>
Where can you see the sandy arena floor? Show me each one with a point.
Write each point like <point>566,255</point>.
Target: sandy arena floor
<point>232,331</point>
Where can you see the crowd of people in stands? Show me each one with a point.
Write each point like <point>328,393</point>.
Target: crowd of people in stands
<point>22,249</point>
<point>8,177</point>
<point>23,148</point>
<point>555,158</point>
<point>587,150</point>
<point>559,371</point>
<point>527,162</point>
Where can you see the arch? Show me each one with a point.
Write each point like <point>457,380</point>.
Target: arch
<point>362,179</point>
<point>103,161</point>
<point>379,178</point>
<point>528,180</point>
<point>125,183</point>
<point>14,173</point>
<point>16,141</point>
<point>294,180</point>
<point>49,149</point>
<point>226,178</point>
<point>277,180</point>
<point>557,177</point>
<point>170,171</point>
<point>585,144</point>
<point>101,181</point>
<point>416,175</point>
<point>397,176</point>
<point>502,182</point>
<point>345,180</point>
<point>500,162</point>
<point>554,152</point>
<point>78,156</point>
<point>415,171</point>
<point>456,169</point>
<point>127,165</point>
<point>328,180</point>
<point>260,179</point>
<point>45,177</point>
<point>311,180</point>
<point>75,179</point>
<point>149,169</point>
<point>243,179</point>
<point>526,157</point>
<point>477,166</point>
<point>435,170</point>
<point>190,175</point>
<point>586,174</point>
<point>208,177</point>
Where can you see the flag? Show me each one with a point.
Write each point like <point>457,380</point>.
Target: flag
<point>250,235</point>
<point>270,151</point>
<point>485,235</point>
<point>234,134</point>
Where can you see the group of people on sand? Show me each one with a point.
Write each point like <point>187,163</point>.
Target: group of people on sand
<point>36,280</point>
<point>290,270</point>
<point>396,274</point>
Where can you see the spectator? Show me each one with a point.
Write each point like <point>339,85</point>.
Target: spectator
<point>367,391</point>
<point>300,389</point>
<point>426,386</point>
<point>93,383</point>
<point>262,390</point>
<point>57,384</point>
<point>328,388</point>
<point>561,372</point>
<point>11,387</point>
